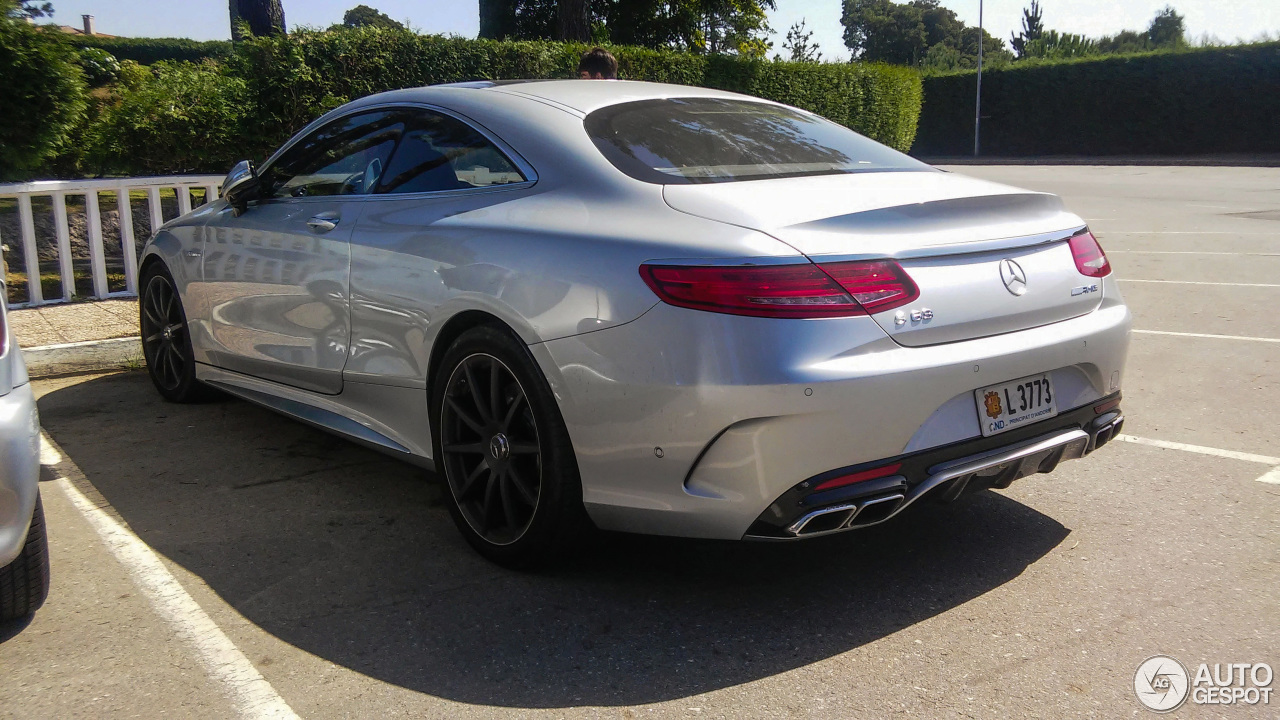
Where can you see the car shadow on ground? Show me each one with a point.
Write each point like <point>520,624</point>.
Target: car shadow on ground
<point>352,557</point>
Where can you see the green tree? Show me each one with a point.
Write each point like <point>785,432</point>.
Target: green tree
<point>885,31</point>
<point>573,20</point>
<point>1032,29</point>
<point>1057,45</point>
<point>729,26</point>
<point>943,57</point>
<point>1167,29</point>
<point>1125,41</point>
<point>800,44</point>
<point>700,26</point>
<point>497,18</point>
<point>43,94</point>
<point>920,33</point>
<point>27,9</point>
<point>365,16</point>
<point>258,17</point>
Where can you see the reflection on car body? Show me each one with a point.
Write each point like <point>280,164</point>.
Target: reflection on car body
<point>645,307</point>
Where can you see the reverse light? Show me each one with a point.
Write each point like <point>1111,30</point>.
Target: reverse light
<point>839,289</point>
<point>1088,254</point>
<point>860,476</point>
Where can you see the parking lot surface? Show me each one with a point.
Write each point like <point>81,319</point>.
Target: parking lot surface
<point>217,560</point>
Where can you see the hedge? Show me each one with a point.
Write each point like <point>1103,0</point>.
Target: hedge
<point>150,50</point>
<point>293,79</point>
<point>254,95</point>
<point>1212,100</point>
<point>42,98</point>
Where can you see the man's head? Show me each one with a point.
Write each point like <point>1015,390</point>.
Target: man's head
<point>599,64</point>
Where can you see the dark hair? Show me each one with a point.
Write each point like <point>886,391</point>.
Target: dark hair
<point>599,62</point>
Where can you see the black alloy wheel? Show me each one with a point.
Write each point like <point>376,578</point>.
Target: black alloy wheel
<point>489,439</point>
<point>166,338</point>
<point>164,333</point>
<point>513,485</point>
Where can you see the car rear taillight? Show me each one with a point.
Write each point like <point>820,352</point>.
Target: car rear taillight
<point>877,285</point>
<point>1088,254</point>
<point>860,476</point>
<point>784,291</point>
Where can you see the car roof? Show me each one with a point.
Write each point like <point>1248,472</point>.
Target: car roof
<point>582,96</point>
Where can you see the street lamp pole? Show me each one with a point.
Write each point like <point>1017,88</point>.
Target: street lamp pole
<point>977,108</point>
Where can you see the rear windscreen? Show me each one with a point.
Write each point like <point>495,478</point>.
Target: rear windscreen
<point>706,140</point>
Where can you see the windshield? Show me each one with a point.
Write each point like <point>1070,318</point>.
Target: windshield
<point>705,140</point>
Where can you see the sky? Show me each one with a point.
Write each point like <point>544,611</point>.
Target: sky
<point>1227,20</point>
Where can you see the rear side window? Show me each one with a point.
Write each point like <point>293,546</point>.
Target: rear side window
<point>708,140</point>
<point>439,153</point>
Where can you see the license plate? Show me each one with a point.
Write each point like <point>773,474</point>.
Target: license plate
<point>1014,404</point>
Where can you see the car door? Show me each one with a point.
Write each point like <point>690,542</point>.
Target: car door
<point>416,246</point>
<point>277,274</point>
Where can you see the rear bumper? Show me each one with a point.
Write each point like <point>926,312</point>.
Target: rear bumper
<point>942,473</point>
<point>19,468</point>
<point>693,424</point>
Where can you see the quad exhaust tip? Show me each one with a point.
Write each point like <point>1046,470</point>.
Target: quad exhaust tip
<point>1036,456</point>
<point>850,515</point>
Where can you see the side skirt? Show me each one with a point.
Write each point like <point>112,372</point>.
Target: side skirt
<point>344,415</point>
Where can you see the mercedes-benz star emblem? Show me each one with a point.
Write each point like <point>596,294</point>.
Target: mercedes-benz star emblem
<point>1015,280</point>
<point>499,447</point>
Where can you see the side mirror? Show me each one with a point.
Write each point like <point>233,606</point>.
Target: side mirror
<point>240,185</point>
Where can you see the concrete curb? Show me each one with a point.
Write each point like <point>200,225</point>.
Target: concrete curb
<point>78,357</point>
<point>1256,160</point>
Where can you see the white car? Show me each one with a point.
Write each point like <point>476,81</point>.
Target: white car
<point>24,552</point>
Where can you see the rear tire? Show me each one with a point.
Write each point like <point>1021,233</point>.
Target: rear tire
<point>504,452</point>
<point>166,338</point>
<point>24,583</point>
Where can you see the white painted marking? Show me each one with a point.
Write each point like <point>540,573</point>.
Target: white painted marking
<point>86,343</point>
<point>1271,478</point>
<point>1216,452</point>
<point>1180,232</point>
<point>1198,282</point>
<point>49,454</point>
<point>252,695</point>
<point>1191,252</point>
<point>1206,335</point>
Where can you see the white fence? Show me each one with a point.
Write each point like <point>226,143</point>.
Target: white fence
<point>58,191</point>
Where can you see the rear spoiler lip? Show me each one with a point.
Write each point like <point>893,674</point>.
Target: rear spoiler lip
<point>962,248</point>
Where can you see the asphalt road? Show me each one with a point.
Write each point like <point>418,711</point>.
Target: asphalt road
<point>332,580</point>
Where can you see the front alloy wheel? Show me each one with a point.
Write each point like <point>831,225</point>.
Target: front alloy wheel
<point>166,339</point>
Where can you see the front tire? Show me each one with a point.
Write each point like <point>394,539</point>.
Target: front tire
<point>166,338</point>
<point>24,583</point>
<point>504,451</point>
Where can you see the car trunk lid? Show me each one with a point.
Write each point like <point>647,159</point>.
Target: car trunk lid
<point>987,258</point>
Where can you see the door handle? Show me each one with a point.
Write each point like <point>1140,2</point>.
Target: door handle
<point>323,223</point>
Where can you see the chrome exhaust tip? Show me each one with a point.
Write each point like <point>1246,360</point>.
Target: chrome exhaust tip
<point>823,520</point>
<point>876,510</point>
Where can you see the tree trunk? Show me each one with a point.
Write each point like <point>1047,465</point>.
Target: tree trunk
<point>263,17</point>
<point>573,21</point>
<point>497,18</point>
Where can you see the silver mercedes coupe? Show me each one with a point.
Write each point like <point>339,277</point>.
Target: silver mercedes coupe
<point>642,307</point>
